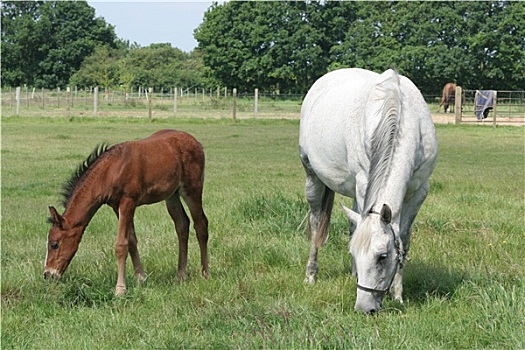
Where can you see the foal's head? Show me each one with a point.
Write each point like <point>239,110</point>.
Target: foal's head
<point>62,244</point>
<point>377,253</point>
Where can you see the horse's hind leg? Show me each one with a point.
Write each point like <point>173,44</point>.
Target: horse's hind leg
<point>193,198</point>
<point>182,226</point>
<point>320,198</point>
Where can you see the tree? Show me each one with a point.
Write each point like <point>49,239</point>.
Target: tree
<point>44,43</point>
<point>20,42</point>
<point>101,68</point>
<point>270,45</point>
<point>162,66</point>
<point>159,66</point>
<point>288,45</point>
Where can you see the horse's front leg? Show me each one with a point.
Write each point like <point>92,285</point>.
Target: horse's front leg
<point>396,290</point>
<point>126,211</point>
<point>408,215</point>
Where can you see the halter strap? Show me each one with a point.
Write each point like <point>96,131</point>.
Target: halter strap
<point>399,264</point>
<point>378,291</point>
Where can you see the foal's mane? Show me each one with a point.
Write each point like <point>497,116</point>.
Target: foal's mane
<point>69,187</point>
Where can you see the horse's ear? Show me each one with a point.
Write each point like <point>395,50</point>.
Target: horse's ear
<point>55,218</point>
<point>386,214</point>
<point>354,217</point>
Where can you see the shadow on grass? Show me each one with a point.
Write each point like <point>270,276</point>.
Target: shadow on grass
<point>421,280</point>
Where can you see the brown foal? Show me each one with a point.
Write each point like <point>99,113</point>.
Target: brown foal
<point>166,166</point>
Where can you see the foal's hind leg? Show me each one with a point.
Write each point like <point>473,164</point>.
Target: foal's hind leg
<point>193,198</point>
<point>182,226</point>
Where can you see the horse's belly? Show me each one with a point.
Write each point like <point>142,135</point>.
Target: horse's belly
<point>334,174</point>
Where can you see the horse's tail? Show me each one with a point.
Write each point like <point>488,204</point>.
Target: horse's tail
<point>324,221</point>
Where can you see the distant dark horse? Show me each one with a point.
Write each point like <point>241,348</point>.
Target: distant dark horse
<point>449,97</point>
<point>166,166</point>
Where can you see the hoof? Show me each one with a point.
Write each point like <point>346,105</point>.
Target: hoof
<point>141,278</point>
<point>181,276</point>
<point>120,291</point>
<point>310,279</point>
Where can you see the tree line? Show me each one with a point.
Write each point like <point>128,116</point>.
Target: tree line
<point>57,43</point>
<point>288,45</point>
<point>273,46</point>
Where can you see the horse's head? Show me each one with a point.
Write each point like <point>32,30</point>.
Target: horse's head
<point>62,244</point>
<point>377,253</point>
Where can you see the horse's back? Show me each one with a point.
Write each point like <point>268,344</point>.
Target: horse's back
<point>341,112</point>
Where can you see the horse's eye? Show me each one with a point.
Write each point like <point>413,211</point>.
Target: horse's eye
<point>382,257</point>
<point>53,245</point>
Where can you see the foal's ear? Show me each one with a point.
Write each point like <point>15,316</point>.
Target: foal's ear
<point>386,214</point>
<point>354,217</point>
<point>55,218</point>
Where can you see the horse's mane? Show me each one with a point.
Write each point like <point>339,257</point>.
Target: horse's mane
<point>384,138</point>
<point>71,184</point>
<point>361,238</point>
<point>382,148</point>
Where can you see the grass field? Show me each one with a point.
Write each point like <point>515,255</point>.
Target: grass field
<point>464,285</point>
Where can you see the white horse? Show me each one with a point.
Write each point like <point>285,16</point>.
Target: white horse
<point>371,137</point>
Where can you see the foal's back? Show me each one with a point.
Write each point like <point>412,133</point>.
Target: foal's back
<point>154,168</point>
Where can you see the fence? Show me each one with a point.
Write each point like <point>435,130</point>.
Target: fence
<point>216,103</point>
<point>508,108</point>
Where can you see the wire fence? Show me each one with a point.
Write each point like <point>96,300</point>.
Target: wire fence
<point>202,103</point>
<point>175,102</point>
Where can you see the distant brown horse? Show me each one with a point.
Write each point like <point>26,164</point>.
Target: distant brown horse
<point>448,97</point>
<point>165,166</point>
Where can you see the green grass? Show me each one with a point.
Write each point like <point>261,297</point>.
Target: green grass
<point>464,285</point>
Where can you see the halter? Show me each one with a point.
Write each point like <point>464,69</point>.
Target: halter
<point>400,256</point>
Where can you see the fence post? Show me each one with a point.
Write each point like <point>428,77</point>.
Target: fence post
<point>17,100</point>
<point>95,100</point>
<point>457,105</point>
<point>150,90</point>
<point>68,101</point>
<point>27,96</point>
<point>43,99</point>
<point>494,104</point>
<point>256,108</point>
<point>175,92</point>
<point>58,97</point>
<point>234,104</point>
<point>75,96</point>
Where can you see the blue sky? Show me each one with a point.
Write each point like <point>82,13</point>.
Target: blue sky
<point>154,22</point>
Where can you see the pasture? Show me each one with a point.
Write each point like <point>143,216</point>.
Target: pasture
<point>464,284</point>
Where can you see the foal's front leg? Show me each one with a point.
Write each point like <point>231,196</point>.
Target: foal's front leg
<point>135,258</point>
<point>126,211</point>
<point>134,252</point>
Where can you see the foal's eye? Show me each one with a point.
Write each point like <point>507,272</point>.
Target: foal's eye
<point>53,245</point>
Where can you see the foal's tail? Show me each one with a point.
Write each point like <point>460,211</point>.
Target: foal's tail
<point>324,221</point>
